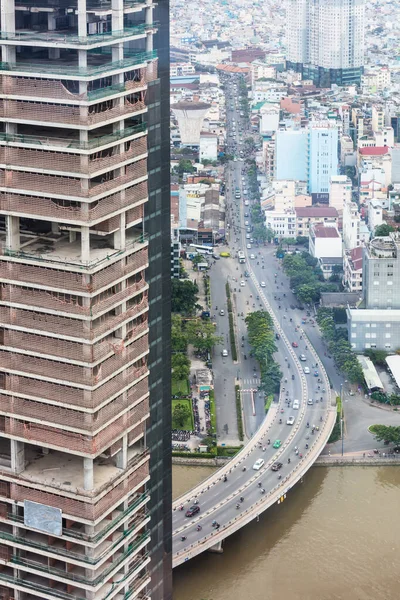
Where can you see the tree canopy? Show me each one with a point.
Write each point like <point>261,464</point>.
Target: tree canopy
<point>384,433</point>
<point>260,329</point>
<point>383,230</point>
<point>184,297</point>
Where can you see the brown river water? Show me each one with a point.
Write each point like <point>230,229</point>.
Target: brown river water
<point>336,537</point>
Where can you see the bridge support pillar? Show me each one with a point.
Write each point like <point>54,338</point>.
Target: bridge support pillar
<point>217,549</point>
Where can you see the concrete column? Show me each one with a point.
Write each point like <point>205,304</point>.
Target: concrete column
<point>85,244</point>
<point>72,236</point>
<point>54,53</point>
<point>17,456</point>
<point>217,548</point>
<point>12,236</point>
<point>119,236</point>
<point>82,19</point>
<point>54,227</point>
<point>122,456</point>
<point>8,26</point>
<point>88,478</point>
<point>149,42</point>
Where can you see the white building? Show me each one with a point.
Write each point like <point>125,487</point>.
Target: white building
<point>375,217</point>
<point>208,146</point>
<point>352,269</point>
<point>269,121</point>
<point>260,70</point>
<point>325,241</point>
<point>283,223</point>
<point>340,191</point>
<point>325,40</point>
<point>351,226</point>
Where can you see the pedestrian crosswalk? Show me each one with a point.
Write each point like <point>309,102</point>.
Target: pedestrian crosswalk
<point>252,382</point>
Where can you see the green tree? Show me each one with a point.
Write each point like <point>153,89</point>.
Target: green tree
<point>178,336</point>
<point>180,414</point>
<point>184,297</point>
<point>260,233</point>
<point>180,364</point>
<point>383,230</point>
<point>184,166</point>
<point>270,379</point>
<point>385,433</point>
<point>201,334</point>
<point>308,293</point>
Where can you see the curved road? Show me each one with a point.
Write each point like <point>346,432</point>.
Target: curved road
<point>217,498</point>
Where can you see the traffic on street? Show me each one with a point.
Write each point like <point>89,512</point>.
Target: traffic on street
<point>295,422</point>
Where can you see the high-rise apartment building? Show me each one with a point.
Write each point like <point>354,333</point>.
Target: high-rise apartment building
<point>325,40</point>
<point>308,154</point>
<point>85,493</point>
<point>376,324</point>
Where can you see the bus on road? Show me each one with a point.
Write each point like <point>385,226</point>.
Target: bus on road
<point>241,256</point>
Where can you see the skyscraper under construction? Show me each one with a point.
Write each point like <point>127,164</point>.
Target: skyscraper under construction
<point>85,486</point>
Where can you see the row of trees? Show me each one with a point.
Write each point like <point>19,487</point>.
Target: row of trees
<point>338,346</point>
<point>260,329</point>
<point>306,277</point>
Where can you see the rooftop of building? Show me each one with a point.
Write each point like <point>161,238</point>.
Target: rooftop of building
<point>325,232</point>
<point>316,211</point>
<point>374,151</point>
<point>330,299</point>
<point>185,105</point>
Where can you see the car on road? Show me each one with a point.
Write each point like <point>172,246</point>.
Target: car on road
<point>262,284</point>
<point>290,421</point>
<point>258,464</point>
<point>310,401</point>
<point>295,345</point>
<point>252,256</point>
<point>302,357</point>
<point>242,283</point>
<point>306,370</point>
<point>224,352</point>
<point>246,202</point>
<point>296,404</point>
<point>248,246</point>
<point>246,214</point>
<point>277,444</point>
<point>292,306</point>
<point>276,466</point>
<point>222,312</point>
<point>216,257</point>
<point>246,223</point>
<point>246,274</point>
<point>193,510</point>
<point>277,336</point>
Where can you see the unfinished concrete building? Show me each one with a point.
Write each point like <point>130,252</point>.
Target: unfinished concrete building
<point>74,300</point>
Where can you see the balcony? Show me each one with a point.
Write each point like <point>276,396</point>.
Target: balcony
<point>76,530</point>
<point>49,588</point>
<point>73,328</point>
<point>58,371</point>
<point>76,442</point>
<point>69,188</point>
<point>17,87</point>
<point>65,39</point>
<point>49,161</point>
<point>72,306</point>
<point>74,397</point>
<point>55,70</point>
<point>80,213</point>
<point>35,112</point>
<point>70,281</point>
<point>86,423</point>
<point>84,507</point>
